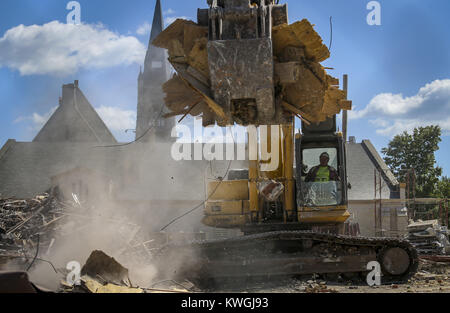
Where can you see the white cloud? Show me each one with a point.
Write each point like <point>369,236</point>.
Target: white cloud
<point>379,122</point>
<point>170,19</point>
<point>390,104</point>
<point>116,118</point>
<point>37,120</point>
<point>144,29</point>
<point>62,49</point>
<point>398,126</point>
<point>169,12</point>
<point>393,113</point>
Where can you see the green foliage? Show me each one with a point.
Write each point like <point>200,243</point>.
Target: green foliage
<point>443,188</point>
<point>416,151</point>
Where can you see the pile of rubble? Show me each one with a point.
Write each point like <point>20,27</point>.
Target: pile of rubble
<point>302,86</point>
<point>103,274</point>
<point>25,224</point>
<point>36,226</point>
<point>429,237</point>
<point>313,286</point>
<point>31,231</point>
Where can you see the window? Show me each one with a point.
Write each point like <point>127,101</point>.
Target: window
<point>311,157</point>
<point>325,189</point>
<point>157,64</point>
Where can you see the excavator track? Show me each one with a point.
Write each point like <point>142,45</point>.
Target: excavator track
<point>290,253</point>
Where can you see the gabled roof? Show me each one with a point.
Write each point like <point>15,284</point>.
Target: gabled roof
<point>362,162</point>
<point>379,163</point>
<point>75,120</point>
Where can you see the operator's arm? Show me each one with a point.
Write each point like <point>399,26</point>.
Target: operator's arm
<point>311,175</point>
<point>334,176</point>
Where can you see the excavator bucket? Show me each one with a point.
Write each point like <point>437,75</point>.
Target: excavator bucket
<point>243,63</point>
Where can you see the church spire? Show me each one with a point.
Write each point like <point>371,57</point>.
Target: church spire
<point>150,94</point>
<point>155,54</point>
<point>158,24</point>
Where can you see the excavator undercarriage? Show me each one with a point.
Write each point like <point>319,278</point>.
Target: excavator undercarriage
<point>292,253</point>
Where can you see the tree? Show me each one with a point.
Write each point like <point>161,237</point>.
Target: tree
<point>416,152</point>
<point>443,188</point>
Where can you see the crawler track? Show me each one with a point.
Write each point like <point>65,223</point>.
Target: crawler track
<point>289,253</point>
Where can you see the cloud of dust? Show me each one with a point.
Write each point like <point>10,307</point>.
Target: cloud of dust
<point>121,212</point>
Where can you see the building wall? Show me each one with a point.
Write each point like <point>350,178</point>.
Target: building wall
<point>363,213</point>
<point>361,175</point>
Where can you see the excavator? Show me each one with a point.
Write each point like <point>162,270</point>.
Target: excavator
<point>262,72</point>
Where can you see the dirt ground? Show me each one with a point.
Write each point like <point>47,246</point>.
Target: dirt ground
<point>432,277</point>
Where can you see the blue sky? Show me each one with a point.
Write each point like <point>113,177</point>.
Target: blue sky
<point>399,71</point>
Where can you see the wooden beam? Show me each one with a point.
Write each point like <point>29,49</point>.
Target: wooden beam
<point>189,111</point>
<point>173,114</point>
<point>287,72</point>
<point>346,105</point>
<point>296,111</point>
<point>217,109</point>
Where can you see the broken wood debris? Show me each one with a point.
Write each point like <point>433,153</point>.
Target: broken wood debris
<point>301,80</point>
<point>22,220</point>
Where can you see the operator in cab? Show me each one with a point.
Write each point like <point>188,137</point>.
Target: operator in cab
<point>322,173</point>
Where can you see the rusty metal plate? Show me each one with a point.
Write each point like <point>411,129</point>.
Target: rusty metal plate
<point>242,72</point>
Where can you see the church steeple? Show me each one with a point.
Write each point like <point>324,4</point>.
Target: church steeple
<point>157,26</point>
<point>150,95</point>
<point>156,56</point>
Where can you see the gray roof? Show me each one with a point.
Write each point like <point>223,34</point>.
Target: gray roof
<point>75,120</point>
<point>379,163</point>
<point>26,168</point>
<point>141,172</point>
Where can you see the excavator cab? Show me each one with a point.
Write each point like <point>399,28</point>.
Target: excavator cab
<point>321,202</point>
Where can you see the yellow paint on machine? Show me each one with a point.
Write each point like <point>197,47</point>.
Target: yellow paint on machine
<point>340,216</point>
<point>323,208</point>
<point>225,221</point>
<point>229,190</point>
<point>238,207</point>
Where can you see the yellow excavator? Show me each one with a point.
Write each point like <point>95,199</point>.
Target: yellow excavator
<point>258,70</point>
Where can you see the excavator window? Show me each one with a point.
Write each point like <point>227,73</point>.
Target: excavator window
<point>311,157</point>
<point>321,184</point>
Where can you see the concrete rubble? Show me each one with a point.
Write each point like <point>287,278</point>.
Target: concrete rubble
<point>103,274</point>
<point>429,237</point>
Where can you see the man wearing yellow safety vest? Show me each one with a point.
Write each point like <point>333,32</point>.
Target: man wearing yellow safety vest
<point>322,172</point>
